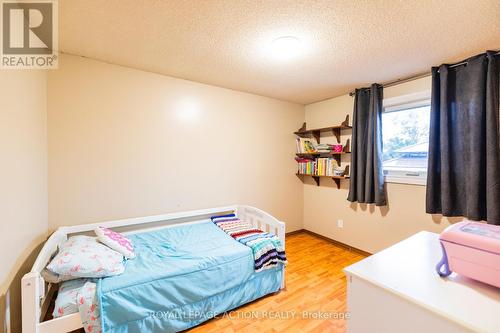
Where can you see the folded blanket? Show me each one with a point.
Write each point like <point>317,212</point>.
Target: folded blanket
<point>89,308</point>
<point>268,251</point>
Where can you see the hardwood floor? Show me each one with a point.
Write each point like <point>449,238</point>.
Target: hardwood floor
<point>315,285</point>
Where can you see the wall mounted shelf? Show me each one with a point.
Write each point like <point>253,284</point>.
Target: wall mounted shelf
<point>316,133</point>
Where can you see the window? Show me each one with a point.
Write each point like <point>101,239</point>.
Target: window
<point>405,132</point>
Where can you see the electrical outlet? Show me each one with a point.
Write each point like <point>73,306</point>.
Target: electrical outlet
<point>340,223</point>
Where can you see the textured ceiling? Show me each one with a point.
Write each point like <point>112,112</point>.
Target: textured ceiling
<point>224,42</point>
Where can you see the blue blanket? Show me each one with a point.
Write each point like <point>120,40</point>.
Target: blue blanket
<point>181,277</point>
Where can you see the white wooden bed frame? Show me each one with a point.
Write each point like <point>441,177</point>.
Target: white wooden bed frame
<point>36,293</point>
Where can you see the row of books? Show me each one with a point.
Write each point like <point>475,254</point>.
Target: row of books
<point>317,167</point>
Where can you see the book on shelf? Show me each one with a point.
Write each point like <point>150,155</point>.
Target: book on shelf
<point>324,148</point>
<point>306,145</point>
<point>323,166</point>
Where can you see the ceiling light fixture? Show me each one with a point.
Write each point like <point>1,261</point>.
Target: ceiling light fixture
<point>286,47</point>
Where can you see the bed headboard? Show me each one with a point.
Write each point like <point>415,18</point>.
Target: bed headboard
<point>262,220</point>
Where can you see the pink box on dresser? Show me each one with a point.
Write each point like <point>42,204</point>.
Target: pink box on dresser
<point>471,249</point>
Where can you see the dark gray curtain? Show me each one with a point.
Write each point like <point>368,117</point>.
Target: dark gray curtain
<point>464,170</point>
<point>367,178</point>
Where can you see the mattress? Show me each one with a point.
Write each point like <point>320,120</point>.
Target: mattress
<point>181,276</point>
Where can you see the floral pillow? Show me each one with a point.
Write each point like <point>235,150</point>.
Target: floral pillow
<point>66,301</point>
<point>84,256</point>
<point>116,241</point>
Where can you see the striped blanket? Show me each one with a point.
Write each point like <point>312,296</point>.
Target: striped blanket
<point>267,249</point>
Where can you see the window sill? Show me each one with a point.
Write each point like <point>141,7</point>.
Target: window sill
<point>406,180</point>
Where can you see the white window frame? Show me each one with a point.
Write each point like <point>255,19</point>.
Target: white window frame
<point>392,104</point>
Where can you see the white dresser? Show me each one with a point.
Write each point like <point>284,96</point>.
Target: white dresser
<point>398,290</point>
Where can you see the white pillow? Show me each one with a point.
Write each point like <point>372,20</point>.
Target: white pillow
<point>83,256</point>
<point>66,301</point>
<point>116,241</point>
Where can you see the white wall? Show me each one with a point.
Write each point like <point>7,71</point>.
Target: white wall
<point>23,189</point>
<point>125,143</point>
<point>366,227</point>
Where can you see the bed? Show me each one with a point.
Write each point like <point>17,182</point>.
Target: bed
<point>169,287</point>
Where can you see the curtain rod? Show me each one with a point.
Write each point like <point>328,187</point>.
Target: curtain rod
<point>414,77</point>
<point>398,81</point>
